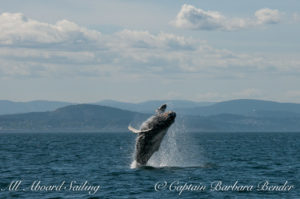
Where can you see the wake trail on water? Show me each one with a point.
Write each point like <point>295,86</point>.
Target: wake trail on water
<point>178,149</point>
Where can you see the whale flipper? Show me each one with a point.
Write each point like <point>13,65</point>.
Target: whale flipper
<point>133,130</point>
<point>130,128</point>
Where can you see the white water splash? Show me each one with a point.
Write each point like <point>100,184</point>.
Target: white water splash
<point>134,164</point>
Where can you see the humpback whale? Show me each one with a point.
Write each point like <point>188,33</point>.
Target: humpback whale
<point>151,134</point>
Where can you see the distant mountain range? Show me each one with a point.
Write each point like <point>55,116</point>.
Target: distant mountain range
<point>228,116</point>
<point>83,117</point>
<point>150,106</point>
<point>245,107</point>
<point>10,107</point>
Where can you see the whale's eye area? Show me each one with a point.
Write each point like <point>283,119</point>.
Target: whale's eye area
<point>169,115</point>
<point>166,115</point>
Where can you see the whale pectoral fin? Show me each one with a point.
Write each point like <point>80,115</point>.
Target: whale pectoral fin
<point>130,128</point>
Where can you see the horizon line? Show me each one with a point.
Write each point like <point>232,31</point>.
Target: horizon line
<point>143,101</point>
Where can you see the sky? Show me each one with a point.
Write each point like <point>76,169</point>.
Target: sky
<point>131,50</point>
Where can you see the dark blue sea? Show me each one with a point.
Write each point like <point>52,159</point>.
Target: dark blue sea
<point>188,165</point>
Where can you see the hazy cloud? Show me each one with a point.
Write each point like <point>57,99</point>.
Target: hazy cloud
<point>144,39</point>
<point>249,93</point>
<point>296,17</point>
<point>32,48</point>
<point>267,16</point>
<point>17,29</point>
<point>191,17</point>
<point>292,94</point>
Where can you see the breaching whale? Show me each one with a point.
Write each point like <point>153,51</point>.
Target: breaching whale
<point>151,134</point>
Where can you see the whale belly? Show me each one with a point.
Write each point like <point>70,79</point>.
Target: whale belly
<point>147,144</point>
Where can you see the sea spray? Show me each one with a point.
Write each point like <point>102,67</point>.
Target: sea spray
<point>178,149</point>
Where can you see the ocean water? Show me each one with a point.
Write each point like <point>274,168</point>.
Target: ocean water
<point>188,165</point>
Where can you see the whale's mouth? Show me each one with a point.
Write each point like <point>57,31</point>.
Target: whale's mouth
<point>172,115</point>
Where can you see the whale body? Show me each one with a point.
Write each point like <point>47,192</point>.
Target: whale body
<point>151,134</point>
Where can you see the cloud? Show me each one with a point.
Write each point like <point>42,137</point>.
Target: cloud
<point>144,39</point>
<point>17,29</point>
<point>190,17</point>
<point>30,48</point>
<point>267,16</point>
